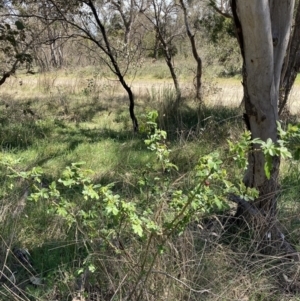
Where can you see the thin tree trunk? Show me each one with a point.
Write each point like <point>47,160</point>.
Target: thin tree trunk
<point>4,77</point>
<point>131,104</point>
<point>156,47</point>
<point>115,67</point>
<point>168,59</point>
<point>194,51</point>
<point>165,43</point>
<point>54,60</point>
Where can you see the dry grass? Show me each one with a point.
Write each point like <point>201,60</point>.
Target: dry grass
<point>223,92</point>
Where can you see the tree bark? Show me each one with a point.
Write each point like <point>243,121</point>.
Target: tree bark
<point>263,29</point>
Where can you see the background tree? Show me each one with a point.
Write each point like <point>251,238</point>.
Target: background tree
<point>49,36</point>
<point>15,47</point>
<point>90,21</point>
<point>52,39</point>
<point>128,12</point>
<point>222,7</point>
<point>191,36</point>
<point>164,17</point>
<point>217,33</point>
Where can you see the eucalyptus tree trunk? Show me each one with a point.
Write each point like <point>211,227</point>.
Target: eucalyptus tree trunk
<point>263,29</point>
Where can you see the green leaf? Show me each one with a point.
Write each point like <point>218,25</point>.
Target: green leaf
<point>78,164</point>
<point>92,268</point>
<point>112,209</point>
<point>218,202</point>
<point>285,153</point>
<point>267,168</point>
<point>52,186</point>
<point>137,229</point>
<point>269,142</point>
<point>62,211</point>
<point>68,182</point>
<point>88,191</point>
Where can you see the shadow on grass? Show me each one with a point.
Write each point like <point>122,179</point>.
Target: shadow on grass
<point>76,136</point>
<point>53,268</point>
<point>126,151</point>
<point>191,123</point>
<point>21,135</point>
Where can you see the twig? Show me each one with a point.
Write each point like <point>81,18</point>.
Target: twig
<point>118,288</point>
<point>183,283</point>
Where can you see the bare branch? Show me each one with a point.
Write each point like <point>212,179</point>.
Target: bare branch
<point>225,14</point>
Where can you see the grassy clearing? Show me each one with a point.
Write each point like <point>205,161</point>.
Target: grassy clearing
<point>54,120</point>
